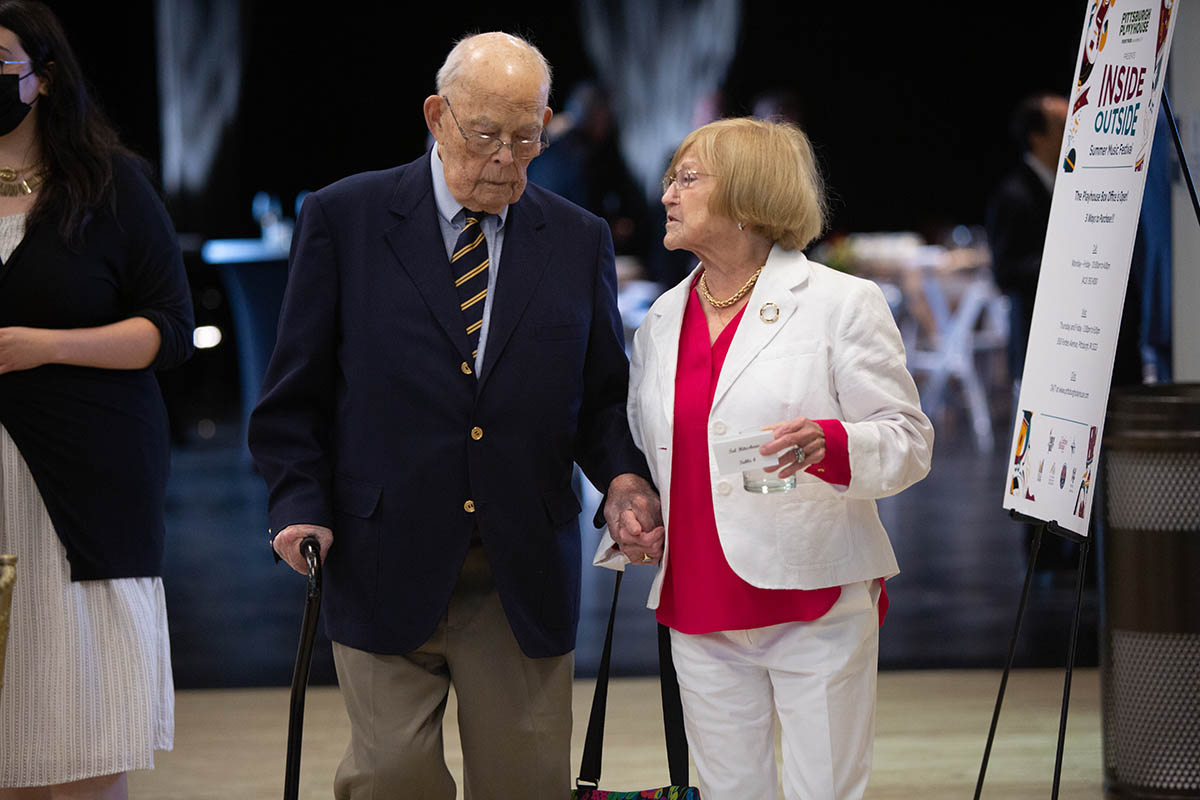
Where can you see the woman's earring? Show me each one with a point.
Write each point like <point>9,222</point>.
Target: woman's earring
<point>741,227</point>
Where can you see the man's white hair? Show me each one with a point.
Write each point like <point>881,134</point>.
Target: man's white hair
<point>457,58</point>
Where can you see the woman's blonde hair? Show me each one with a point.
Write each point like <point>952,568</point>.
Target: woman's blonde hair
<point>767,177</point>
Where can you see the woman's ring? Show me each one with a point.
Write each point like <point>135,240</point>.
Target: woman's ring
<point>646,558</point>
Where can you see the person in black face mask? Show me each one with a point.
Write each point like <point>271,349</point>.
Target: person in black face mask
<point>93,298</point>
<point>13,109</point>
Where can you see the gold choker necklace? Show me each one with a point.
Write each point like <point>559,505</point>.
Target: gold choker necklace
<point>13,185</point>
<point>714,302</point>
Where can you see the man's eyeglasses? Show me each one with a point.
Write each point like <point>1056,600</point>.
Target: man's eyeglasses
<point>482,144</point>
<point>685,179</point>
<point>6,70</point>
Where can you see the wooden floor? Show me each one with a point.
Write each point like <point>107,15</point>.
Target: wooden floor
<point>931,730</point>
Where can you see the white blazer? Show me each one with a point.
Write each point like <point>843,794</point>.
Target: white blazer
<point>834,352</point>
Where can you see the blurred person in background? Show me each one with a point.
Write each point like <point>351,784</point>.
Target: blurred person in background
<point>1019,211</point>
<point>93,299</point>
<point>774,594</point>
<point>1018,214</point>
<point>584,165</point>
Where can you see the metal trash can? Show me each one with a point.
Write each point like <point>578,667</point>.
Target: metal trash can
<point>1150,640</point>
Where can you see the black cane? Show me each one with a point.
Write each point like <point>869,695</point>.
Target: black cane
<point>310,548</point>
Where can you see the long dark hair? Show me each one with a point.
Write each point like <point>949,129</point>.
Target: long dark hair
<point>77,142</point>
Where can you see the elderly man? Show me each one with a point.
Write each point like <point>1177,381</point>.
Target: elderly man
<point>449,345</point>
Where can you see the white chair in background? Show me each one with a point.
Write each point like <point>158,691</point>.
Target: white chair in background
<point>976,324</point>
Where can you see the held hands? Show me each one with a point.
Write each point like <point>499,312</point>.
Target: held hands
<point>24,348</point>
<point>287,544</point>
<point>634,517</point>
<point>800,443</point>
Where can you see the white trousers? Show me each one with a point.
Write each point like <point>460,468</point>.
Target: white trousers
<point>818,677</point>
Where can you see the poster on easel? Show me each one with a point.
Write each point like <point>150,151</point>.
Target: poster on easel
<point>1113,106</point>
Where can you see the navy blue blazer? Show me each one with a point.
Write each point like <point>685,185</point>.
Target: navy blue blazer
<point>367,410</point>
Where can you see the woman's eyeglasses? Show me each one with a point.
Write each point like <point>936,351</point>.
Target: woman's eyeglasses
<point>686,179</point>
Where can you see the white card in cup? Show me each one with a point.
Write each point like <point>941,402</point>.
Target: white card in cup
<point>740,453</point>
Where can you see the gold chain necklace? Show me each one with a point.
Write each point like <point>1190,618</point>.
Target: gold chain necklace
<point>13,185</point>
<point>714,302</point>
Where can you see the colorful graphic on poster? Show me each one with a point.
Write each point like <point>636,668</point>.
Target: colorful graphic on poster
<point>1020,467</point>
<point>1086,483</point>
<point>1122,60</point>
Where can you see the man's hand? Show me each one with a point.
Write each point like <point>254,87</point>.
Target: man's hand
<point>634,517</point>
<point>287,544</point>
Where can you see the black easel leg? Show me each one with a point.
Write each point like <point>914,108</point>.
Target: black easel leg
<point>1066,700</point>
<point>1012,651</point>
<point>1187,173</point>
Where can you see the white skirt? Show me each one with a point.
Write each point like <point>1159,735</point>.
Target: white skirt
<point>87,679</point>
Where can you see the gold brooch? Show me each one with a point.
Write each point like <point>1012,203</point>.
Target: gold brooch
<point>769,313</point>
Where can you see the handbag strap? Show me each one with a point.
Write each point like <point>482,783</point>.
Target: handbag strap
<point>677,747</point>
<point>593,744</point>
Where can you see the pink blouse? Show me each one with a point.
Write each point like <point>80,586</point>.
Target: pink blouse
<point>700,592</point>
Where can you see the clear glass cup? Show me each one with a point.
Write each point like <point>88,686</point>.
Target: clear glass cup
<point>759,482</point>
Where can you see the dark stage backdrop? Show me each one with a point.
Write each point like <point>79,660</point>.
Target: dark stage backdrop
<point>906,104</point>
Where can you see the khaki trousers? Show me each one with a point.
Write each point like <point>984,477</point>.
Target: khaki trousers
<point>514,712</point>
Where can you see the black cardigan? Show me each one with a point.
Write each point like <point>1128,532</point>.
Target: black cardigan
<point>96,440</point>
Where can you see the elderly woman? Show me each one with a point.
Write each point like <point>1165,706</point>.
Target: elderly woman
<point>770,581</point>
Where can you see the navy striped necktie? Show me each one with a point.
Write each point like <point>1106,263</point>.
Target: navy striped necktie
<point>469,265</point>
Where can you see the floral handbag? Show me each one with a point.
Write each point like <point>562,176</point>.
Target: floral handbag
<point>587,785</point>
